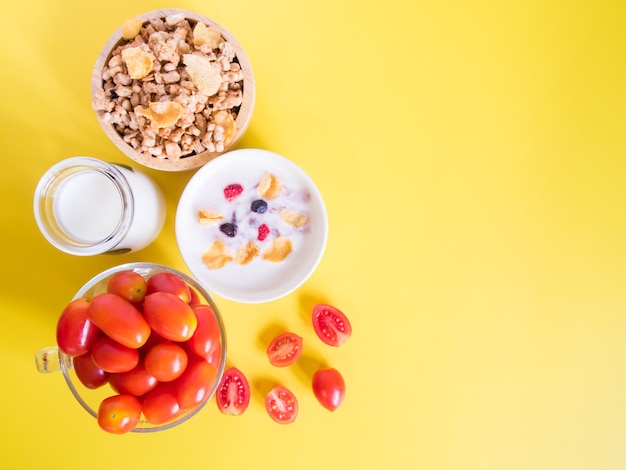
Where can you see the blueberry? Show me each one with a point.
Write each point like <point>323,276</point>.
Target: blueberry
<point>230,230</point>
<point>259,206</point>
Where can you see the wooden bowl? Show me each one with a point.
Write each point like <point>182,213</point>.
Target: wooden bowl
<point>144,154</point>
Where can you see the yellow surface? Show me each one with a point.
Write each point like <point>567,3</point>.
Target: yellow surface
<point>472,159</point>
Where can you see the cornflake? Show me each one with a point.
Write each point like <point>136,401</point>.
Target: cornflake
<point>247,253</point>
<point>204,74</point>
<point>278,250</point>
<point>131,28</point>
<point>217,256</point>
<point>294,218</point>
<point>137,61</point>
<point>161,113</point>
<point>226,121</point>
<point>208,217</point>
<point>209,35</point>
<point>270,187</point>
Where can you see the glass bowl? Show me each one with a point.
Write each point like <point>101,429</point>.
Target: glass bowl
<point>52,359</point>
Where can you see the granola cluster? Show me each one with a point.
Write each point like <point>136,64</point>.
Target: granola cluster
<point>172,88</point>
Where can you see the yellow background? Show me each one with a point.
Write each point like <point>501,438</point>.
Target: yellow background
<point>472,159</point>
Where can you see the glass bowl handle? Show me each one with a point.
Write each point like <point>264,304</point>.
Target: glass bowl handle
<point>49,360</point>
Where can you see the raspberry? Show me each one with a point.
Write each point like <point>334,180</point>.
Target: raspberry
<point>232,191</point>
<point>264,231</point>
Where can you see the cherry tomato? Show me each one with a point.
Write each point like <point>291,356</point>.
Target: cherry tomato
<point>76,333</point>
<point>215,358</point>
<point>89,374</point>
<point>119,414</point>
<point>281,405</point>
<point>329,388</point>
<point>119,319</point>
<point>169,282</point>
<point>207,335</point>
<point>136,381</point>
<point>129,285</point>
<point>194,298</point>
<point>331,325</point>
<point>112,356</point>
<point>285,349</point>
<point>233,392</point>
<point>195,385</point>
<point>160,404</point>
<point>169,316</point>
<point>166,361</point>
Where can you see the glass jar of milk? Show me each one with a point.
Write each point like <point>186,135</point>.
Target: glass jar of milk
<point>84,206</point>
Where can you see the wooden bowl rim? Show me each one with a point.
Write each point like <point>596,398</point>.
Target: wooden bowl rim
<point>185,163</point>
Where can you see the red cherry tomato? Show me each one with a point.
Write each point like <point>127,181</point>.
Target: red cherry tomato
<point>194,298</point>
<point>89,374</point>
<point>160,404</point>
<point>129,285</point>
<point>166,361</point>
<point>285,349</point>
<point>136,381</point>
<point>76,333</point>
<point>207,335</point>
<point>215,358</point>
<point>195,385</point>
<point>119,414</point>
<point>112,356</point>
<point>281,405</point>
<point>119,319</point>
<point>169,316</point>
<point>331,325</point>
<point>169,282</point>
<point>329,388</point>
<point>233,392</point>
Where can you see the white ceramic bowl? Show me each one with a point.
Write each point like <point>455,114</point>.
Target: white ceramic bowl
<point>259,280</point>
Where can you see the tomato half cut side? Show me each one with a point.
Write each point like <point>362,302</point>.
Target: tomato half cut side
<point>331,325</point>
<point>281,404</point>
<point>285,349</point>
<point>233,393</point>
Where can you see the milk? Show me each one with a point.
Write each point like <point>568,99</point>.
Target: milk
<point>84,206</point>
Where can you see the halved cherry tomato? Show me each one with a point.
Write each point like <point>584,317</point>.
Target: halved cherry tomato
<point>329,388</point>
<point>76,333</point>
<point>166,361</point>
<point>331,325</point>
<point>89,374</point>
<point>161,405</point>
<point>285,349</point>
<point>233,392</point>
<point>119,319</point>
<point>136,381</point>
<point>112,356</point>
<point>169,316</point>
<point>169,282</point>
<point>129,285</point>
<point>281,405</point>
<point>207,335</point>
<point>119,414</point>
<point>196,383</point>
